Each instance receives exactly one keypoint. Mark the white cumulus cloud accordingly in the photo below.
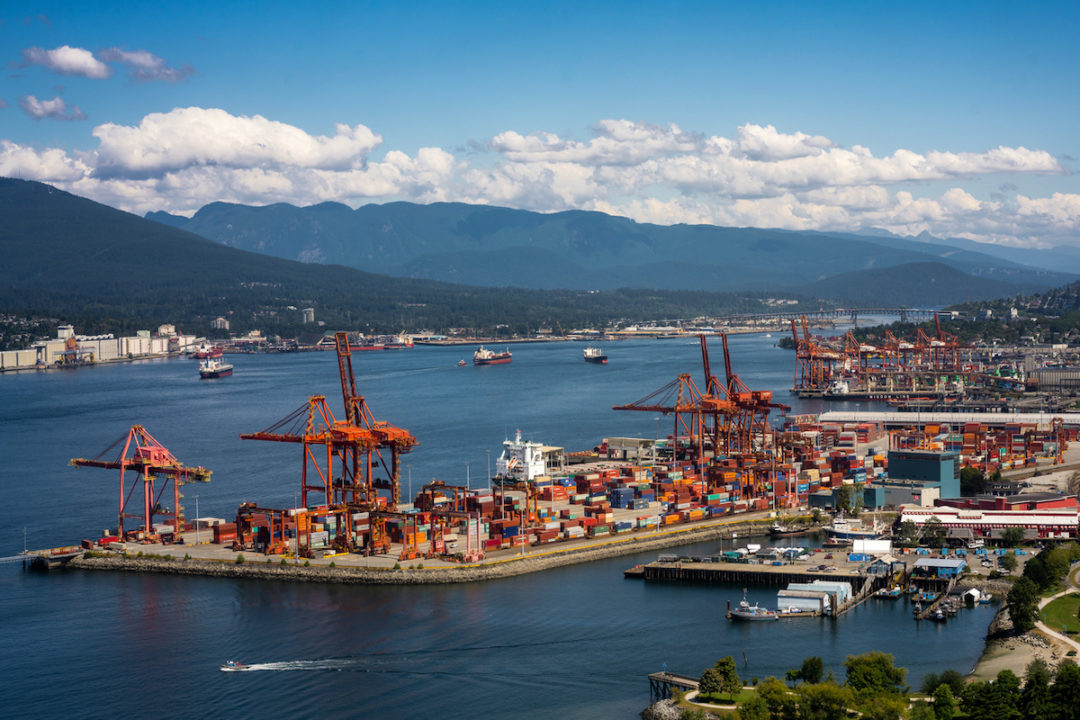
(67, 60)
(757, 176)
(144, 66)
(194, 136)
(55, 109)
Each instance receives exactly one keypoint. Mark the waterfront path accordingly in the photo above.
(1070, 580)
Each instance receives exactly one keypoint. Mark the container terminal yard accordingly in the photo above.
(928, 373)
(722, 466)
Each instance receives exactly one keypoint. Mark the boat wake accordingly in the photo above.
(381, 662)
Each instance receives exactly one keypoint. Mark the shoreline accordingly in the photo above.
(258, 569)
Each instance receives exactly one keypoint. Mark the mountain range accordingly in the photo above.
(106, 270)
(498, 247)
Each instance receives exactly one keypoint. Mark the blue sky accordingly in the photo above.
(959, 119)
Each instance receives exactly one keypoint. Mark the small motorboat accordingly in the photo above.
(233, 666)
(461, 363)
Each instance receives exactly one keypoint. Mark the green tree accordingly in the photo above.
(1035, 700)
(729, 676)
(826, 701)
(974, 701)
(1004, 700)
(812, 670)
(944, 703)
(972, 481)
(849, 499)
(774, 693)
(921, 711)
(955, 680)
(710, 683)
(1012, 536)
(884, 707)
(874, 673)
(909, 533)
(933, 532)
(1065, 692)
(1009, 561)
(754, 708)
(1023, 599)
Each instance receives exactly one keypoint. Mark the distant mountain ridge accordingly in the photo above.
(106, 270)
(497, 247)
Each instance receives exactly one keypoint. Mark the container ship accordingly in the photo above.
(214, 368)
(595, 355)
(483, 356)
(205, 351)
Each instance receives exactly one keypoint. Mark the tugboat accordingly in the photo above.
(779, 529)
(214, 368)
(595, 355)
(233, 666)
(751, 613)
(483, 356)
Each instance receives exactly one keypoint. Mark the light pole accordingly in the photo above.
(656, 437)
(296, 532)
(196, 519)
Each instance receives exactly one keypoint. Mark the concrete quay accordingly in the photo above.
(217, 561)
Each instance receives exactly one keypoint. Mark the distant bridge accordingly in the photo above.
(853, 313)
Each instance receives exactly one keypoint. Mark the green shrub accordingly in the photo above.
(283, 561)
(239, 559)
(420, 566)
(307, 563)
(333, 564)
(187, 556)
(397, 566)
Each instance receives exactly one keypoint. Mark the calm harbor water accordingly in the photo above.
(572, 642)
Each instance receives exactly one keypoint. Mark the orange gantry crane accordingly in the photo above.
(155, 469)
(750, 418)
(724, 419)
(682, 399)
(345, 455)
(814, 364)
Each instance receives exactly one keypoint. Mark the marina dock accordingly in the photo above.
(707, 572)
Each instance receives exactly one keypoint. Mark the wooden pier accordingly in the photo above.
(739, 573)
(660, 684)
(863, 586)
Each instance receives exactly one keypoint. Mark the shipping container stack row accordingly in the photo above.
(987, 447)
(573, 507)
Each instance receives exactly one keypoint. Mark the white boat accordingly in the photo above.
(847, 529)
(752, 613)
(233, 666)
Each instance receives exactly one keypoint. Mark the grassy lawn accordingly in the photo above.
(1062, 613)
(739, 697)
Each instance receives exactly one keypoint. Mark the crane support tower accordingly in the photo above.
(155, 468)
(341, 459)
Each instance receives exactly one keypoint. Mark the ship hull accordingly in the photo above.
(493, 361)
